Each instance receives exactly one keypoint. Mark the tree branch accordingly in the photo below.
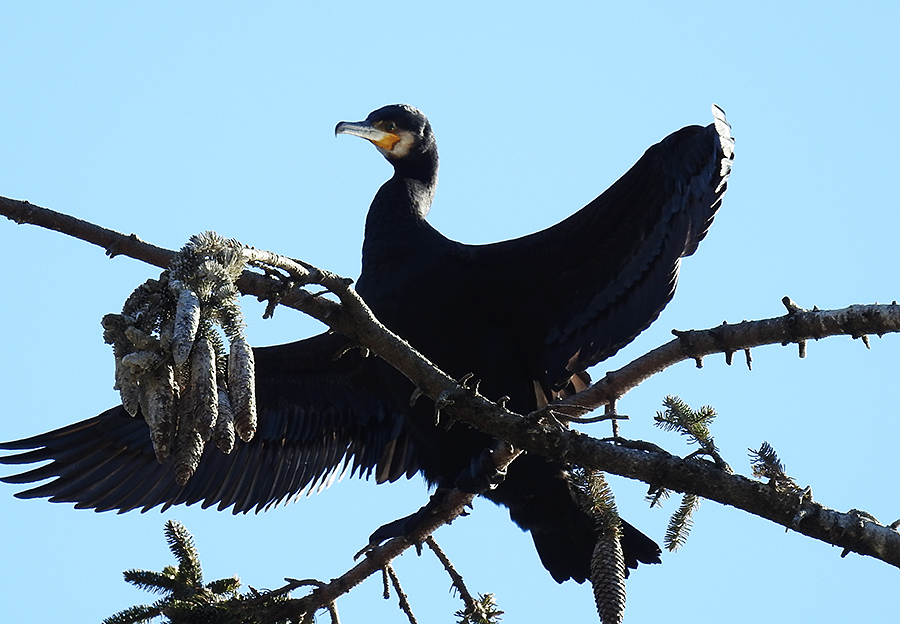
(115, 243)
(357, 320)
(451, 506)
(797, 326)
(853, 531)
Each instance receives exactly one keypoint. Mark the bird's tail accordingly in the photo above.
(541, 499)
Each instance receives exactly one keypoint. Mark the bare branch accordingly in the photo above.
(455, 577)
(797, 326)
(113, 242)
(401, 595)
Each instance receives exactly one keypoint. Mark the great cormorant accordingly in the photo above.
(525, 316)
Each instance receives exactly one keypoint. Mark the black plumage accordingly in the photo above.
(525, 316)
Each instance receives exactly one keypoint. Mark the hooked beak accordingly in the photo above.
(364, 129)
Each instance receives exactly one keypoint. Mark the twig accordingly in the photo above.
(401, 595)
(455, 577)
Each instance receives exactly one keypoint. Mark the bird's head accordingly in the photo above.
(399, 131)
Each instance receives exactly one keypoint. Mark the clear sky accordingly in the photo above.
(171, 118)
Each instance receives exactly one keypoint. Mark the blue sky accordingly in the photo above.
(172, 118)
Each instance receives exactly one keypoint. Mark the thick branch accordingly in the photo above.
(353, 318)
(852, 531)
(357, 320)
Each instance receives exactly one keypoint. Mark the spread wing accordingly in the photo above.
(318, 417)
(579, 291)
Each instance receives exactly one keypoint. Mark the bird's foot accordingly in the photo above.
(483, 474)
(403, 527)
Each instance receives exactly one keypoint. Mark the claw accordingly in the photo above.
(467, 382)
(483, 473)
(443, 401)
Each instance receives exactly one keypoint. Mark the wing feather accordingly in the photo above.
(317, 417)
(579, 291)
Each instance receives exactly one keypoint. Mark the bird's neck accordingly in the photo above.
(412, 186)
(403, 201)
(396, 229)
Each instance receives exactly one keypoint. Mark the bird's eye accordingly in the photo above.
(389, 126)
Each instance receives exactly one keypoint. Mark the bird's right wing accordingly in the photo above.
(588, 285)
(318, 417)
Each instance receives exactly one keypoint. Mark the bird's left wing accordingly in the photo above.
(318, 417)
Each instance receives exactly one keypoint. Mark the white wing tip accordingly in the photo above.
(723, 128)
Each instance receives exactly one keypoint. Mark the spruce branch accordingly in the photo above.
(486, 612)
(694, 424)
(185, 598)
(766, 465)
(181, 543)
(681, 522)
(138, 614)
(655, 496)
(154, 582)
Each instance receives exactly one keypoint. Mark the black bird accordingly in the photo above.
(525, 316)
